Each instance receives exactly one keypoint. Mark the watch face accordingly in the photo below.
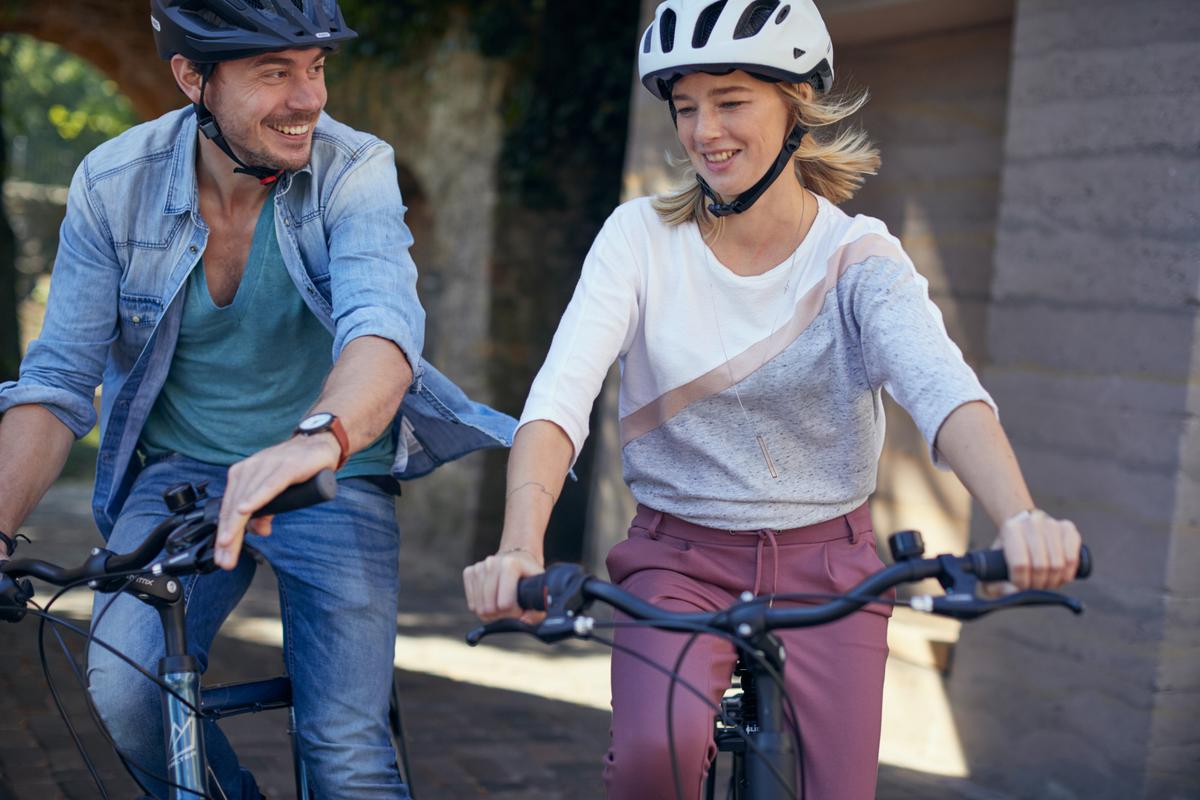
(316, 422)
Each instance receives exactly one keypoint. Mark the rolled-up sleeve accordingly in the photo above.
(65, 364)
(373, 277)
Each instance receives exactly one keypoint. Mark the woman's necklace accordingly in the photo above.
(772, 470)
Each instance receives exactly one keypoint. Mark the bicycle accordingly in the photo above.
(753, 726)
(180, 545)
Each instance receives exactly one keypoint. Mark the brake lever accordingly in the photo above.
(500, 626)
(189, 548)
(549, 630)
(968, 607)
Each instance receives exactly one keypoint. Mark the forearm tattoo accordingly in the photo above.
(540, 488)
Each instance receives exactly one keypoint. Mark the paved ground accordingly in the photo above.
(467, 739)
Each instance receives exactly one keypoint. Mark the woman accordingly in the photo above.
(756, 325)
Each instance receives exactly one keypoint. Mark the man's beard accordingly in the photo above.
(262, 158)
(238, 138)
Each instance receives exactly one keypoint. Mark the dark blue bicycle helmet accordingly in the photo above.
(210, 31)
(207, 32)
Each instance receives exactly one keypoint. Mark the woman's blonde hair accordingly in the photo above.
(832, 163)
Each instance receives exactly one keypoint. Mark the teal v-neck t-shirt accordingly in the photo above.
(244, 374)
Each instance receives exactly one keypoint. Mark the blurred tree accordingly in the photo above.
(54, 108)
(57, 108)
(10, 344)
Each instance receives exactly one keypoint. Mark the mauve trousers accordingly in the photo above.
(833, 673)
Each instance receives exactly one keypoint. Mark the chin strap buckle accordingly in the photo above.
(746, 199)
(265, 175)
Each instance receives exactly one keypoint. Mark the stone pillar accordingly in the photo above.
(1093, 358)
(441, 115)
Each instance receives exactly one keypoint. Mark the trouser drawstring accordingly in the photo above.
(766, 535)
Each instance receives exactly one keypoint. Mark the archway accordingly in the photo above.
(112, 35)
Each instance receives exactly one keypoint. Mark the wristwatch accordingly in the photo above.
(324, 421)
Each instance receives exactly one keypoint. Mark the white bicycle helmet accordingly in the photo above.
(775, 40)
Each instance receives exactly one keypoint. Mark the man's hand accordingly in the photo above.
(260, 479)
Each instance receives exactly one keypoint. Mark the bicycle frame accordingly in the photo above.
(761, 715)
(185, 540)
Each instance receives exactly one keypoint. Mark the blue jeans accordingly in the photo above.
(336, 565)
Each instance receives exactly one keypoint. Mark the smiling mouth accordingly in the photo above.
(291, 130)
(721, 156)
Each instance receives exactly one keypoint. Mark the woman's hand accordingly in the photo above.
(1042, 552)
(491, 584)
(537, 467)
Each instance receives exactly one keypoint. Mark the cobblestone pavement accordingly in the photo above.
(466, 740)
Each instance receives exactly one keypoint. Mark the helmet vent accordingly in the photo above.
(754, 18)
(257, 4)
(666, 31)
(299, 4)
(212, 18)
(783, 12)
(706, 22)
(649, 41)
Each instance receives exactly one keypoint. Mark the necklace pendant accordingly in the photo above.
(762, 445)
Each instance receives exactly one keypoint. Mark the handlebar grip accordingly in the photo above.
(531, 593)
(989, 565)
(14, 597)
(317, 489)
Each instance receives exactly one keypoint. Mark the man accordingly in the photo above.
(208, 301)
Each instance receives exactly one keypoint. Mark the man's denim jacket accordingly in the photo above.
(133, 233)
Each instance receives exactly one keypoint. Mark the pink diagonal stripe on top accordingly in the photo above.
(737, 369)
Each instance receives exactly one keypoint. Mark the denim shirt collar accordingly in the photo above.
(183, 194)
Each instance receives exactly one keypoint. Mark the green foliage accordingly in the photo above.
(401, 31)
(568, 113)
(56, 108)
(394, 31)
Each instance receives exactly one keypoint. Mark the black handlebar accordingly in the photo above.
(199, 518)
(986, 565)
(564, 590)
(317, 489)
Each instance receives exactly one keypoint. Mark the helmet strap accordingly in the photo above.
(743, 201)
(212, 131)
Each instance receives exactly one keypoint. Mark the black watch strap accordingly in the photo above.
(10, 542)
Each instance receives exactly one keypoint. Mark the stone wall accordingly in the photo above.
(937, 115)
(1092, 355)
